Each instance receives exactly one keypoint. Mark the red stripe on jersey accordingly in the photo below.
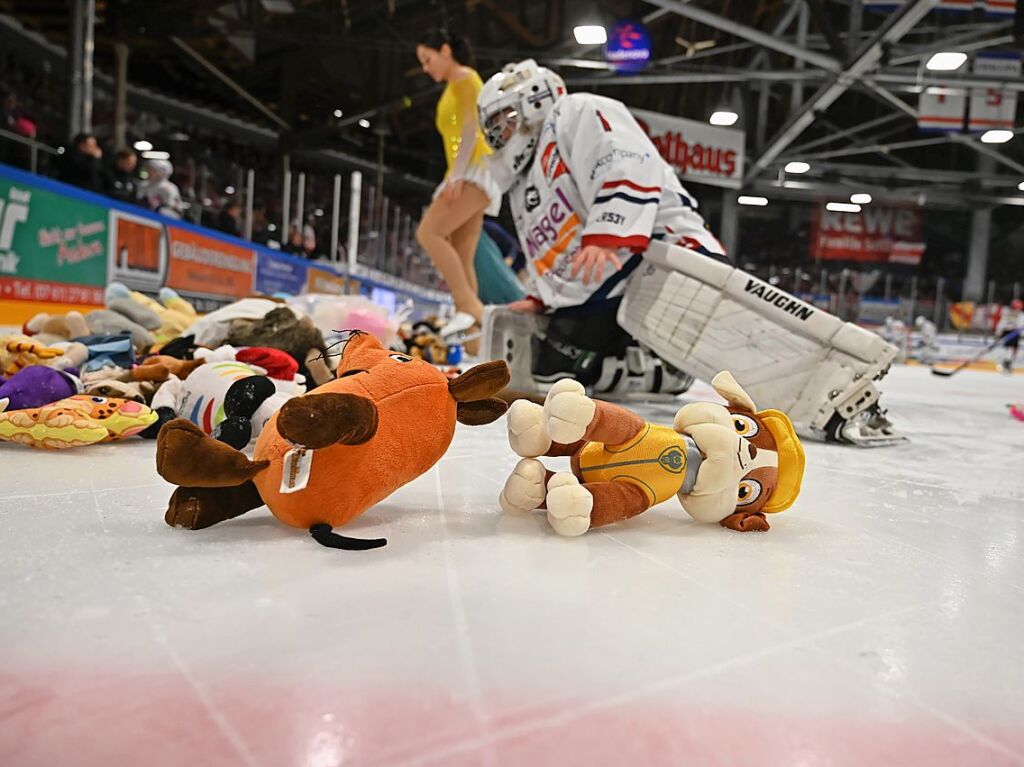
(604, 123)
(631, 185)
(636, 242)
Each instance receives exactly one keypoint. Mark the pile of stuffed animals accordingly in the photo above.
(333, 430)
(125, 370)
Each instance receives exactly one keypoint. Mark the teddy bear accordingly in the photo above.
(730, 464)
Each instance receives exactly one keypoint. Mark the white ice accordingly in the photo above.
(880, 621)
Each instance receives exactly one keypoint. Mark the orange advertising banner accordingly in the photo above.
(200, 264)
(321, 281)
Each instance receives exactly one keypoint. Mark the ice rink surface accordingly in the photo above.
(880, 621)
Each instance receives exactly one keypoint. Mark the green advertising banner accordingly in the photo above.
(52, 247)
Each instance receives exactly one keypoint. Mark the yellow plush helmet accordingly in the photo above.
(791, 460)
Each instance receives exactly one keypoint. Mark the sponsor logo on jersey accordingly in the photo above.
(551, 163)
(531, 199)
(617, 154)
(777, 298)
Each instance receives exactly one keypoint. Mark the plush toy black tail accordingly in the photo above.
(323, 535)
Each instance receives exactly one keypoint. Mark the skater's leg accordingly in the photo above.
(442, 219)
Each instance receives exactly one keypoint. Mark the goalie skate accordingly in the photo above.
(537, 359)
(703, 316)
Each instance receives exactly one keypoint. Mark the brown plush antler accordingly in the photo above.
(480, 382)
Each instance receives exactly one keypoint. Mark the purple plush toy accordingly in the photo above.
(37, 385)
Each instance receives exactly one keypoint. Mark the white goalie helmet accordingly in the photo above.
(513, 105)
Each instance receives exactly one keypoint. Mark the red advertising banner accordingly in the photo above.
(874, 235)
(200, 264)
(698, 151)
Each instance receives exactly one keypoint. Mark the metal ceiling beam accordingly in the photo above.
(872, 149)
(213, 70)
(748, 33)
(867, 57)
(933, 197)
(825, 25)
(672, 78)
(848, 133)
(988, 151)
(901, 79)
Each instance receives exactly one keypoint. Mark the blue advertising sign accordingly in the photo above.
(629, 46)
(280, 274)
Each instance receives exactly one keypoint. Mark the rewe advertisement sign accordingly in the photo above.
(698, 151)
(875, 235)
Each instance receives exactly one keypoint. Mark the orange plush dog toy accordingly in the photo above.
(730, 464)
(326, 457)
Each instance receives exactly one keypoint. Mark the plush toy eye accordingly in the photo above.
(748, 492)
(400, 357)
(745, 425)
(99, 400)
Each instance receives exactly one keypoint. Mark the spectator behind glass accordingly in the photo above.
(161, 194)
(229, 218)
(81, 164)
(308, 242)
(13, 120)
(123, 182)
(294, 243)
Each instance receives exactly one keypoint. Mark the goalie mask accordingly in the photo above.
(513, 105)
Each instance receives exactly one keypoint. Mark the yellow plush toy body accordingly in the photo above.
(730, 464)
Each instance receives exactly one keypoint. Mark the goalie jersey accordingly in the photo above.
(597, 179)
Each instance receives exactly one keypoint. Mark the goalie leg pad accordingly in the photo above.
(703, 316)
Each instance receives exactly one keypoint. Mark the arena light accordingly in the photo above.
(946, 61)
(745, 199)
(842, 207)
(996, 136)
(364, 123)
(156, 155)
(590, 34)
(142, 145)
(229, 190)
(797, 166)
(862, 198)
(1021, 186)
(724, 117)
(338, 113)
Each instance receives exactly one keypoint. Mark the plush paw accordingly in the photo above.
(746, 522)
(524, 489)
(526, 433)
(568, 411)
(569, 505)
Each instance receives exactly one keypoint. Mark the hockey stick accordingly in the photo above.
(999, 342)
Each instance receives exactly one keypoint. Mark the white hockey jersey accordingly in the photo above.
(597, 179)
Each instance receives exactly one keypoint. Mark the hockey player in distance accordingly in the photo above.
(610, 234)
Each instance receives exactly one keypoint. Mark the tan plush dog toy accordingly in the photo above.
(730, 464)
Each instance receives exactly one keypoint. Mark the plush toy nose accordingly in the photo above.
(131, 407)
(753, 450)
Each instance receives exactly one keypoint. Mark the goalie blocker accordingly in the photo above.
(702, 316)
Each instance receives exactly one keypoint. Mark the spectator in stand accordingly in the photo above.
(81, 163)
(160, 193)
(13, 120)
(308, 242)
(229, 220)
(293, 244)
(123, 181)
